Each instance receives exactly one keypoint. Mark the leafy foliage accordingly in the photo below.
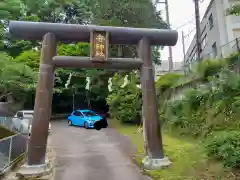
(9, 9)
(14, 78)
(125, 103)
(225, 146)
(209, 68)
(234, 10)
(209, 108)
(233, 60)
(30, 58)
(166, 81)
(63, 11)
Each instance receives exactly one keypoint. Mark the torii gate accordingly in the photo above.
(99, 37)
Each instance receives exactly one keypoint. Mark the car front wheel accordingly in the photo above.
(69, 123)
(86, 125)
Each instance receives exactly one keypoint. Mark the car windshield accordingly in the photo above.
(89, 113)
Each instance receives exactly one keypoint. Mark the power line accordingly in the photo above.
(190, 32)
(185, 24)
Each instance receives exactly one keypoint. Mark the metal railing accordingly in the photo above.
(6, 122)
(223, 51)
(12, 147)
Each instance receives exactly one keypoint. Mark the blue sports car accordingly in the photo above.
(84, 118)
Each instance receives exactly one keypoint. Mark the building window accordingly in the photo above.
(210, 20)
(204, 41)
(214, 50)
(203, 31)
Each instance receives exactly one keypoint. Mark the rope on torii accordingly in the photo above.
(110, 84)
(87, 87)
(69, 80)
(126, 82)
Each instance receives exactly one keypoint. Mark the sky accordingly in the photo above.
(181, 12)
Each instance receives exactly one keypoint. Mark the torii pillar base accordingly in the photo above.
(43, 171)
(156, 164)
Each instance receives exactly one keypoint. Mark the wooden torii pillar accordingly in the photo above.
(50, 34)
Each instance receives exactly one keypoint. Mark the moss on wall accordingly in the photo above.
(5, 132)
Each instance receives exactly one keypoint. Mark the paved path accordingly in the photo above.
(91, 155)
(3, 160)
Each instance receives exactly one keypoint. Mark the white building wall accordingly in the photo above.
(232, 21)
(222, 26)
(225, 29)
(212, 33)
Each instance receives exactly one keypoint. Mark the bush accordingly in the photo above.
(225, 146)
(233, 59)
(125, 103)
(5, 132)
(207, 68)
(213, 107)
(166, 81)
(188, 114)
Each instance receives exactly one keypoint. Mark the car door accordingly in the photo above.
(18, 120)
(78, 118)
(81, 119)
(72, 118)
(14, 121)
(25, 122)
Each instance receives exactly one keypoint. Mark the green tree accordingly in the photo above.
(15, 78)
(61, 11)
(30, 58)
(9, 9)
(125, 103)
(234, 10)
(137, 13)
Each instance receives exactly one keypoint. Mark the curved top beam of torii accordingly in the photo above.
(74, 32)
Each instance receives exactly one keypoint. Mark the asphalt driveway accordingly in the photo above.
(91, 155)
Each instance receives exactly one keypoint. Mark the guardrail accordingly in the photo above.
(6, 122)
(12, 147)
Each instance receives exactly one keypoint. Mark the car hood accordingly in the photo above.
(94, 118)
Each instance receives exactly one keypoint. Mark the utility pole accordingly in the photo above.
(184, 54)
(183, 45)
(198, 29)
(170, 58)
